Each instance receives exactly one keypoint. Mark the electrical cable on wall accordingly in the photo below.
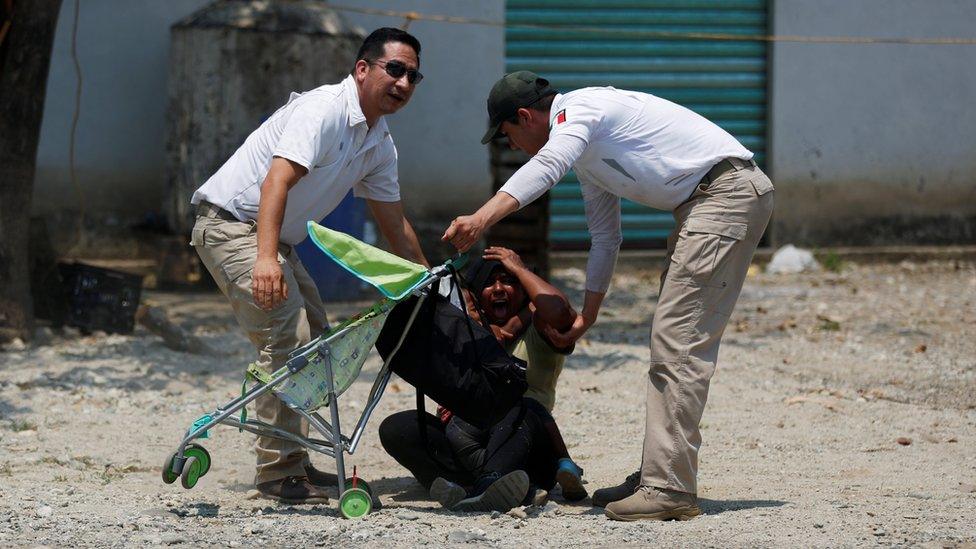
(72, 173)
(410, 16)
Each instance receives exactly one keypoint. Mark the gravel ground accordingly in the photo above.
(843, 413)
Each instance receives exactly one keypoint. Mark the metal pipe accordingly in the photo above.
(265, 430)
(336, 432)
(373, 402)
(237, 404)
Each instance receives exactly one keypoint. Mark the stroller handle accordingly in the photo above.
(458, 261)
(445, 269)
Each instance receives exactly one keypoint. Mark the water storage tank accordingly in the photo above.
(232, 64)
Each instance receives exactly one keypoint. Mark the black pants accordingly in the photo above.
(461, 452)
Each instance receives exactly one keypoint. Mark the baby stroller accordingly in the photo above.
(316, 374)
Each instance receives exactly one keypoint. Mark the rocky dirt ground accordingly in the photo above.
(843, 413)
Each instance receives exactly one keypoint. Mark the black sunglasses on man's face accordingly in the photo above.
(397, 69)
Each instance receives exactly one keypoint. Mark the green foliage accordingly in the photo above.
(829, 325)
(18, 425)
(832, 262)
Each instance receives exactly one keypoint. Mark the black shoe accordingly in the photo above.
(293, 491)
(605, 496)
(501, 493)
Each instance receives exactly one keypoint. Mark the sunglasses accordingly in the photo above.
(397, 69)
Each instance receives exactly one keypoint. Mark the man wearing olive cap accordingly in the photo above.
(651, 151)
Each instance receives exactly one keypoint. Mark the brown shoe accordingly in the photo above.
(293, 491)
(650, 503)
(320, 478)
(330, 481)
(603, 496)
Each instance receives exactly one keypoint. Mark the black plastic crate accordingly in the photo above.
(100, 299)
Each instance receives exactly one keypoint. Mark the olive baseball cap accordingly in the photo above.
(511, 93)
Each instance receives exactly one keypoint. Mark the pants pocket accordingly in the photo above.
(761, 184)
(711, 248)
(239, 263)
(235, 246)
(708, 243)
(197, 237)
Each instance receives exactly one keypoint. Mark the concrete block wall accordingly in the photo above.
(873, 143)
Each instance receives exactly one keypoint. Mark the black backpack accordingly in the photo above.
(454, 360)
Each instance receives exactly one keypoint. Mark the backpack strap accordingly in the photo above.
(422, 422)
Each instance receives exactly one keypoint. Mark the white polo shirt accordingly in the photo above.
(325, 131)
(622, 144)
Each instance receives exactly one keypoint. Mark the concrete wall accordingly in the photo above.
(874, 143)
(123, 50)
(870, 143)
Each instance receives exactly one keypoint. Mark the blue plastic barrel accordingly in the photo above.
(334, 282)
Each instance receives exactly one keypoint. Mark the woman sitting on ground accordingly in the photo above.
(522, 456)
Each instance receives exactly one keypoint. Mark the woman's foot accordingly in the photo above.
(570, 479)
(536, 496)
(494, 492)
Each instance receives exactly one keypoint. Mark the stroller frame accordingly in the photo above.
(333, 443)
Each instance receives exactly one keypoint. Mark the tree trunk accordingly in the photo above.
(27, 33)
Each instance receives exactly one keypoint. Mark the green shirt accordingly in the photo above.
(543, 365)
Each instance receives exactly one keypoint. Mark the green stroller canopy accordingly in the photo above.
(394, 276)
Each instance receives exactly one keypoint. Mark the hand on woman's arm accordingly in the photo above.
(581, 322)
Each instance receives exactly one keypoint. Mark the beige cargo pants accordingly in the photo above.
(229, 248)
(717, 231)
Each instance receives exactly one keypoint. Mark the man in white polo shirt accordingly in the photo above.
(298, 165)
(653, 152)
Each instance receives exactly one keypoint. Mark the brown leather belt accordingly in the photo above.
(207, 209)
(724, 167)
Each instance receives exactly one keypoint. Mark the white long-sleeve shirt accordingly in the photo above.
(622, 144)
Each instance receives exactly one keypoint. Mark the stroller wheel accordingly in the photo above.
(355, 503)
(191, 472)
(169, 477)
(202, 455)
(360, 483)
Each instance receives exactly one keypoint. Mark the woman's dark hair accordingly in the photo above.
(479, 272)
(373, 47)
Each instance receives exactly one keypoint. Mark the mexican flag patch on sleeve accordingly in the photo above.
(560, 117)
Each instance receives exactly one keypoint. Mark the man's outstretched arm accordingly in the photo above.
(466, 230)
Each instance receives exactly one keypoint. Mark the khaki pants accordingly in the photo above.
(717, 231)
(228, 248)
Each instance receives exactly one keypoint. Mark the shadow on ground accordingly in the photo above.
(8, 410)
(399, 488)
(608, 361)
(718, 506)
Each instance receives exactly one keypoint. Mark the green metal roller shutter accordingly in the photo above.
(723, 80)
